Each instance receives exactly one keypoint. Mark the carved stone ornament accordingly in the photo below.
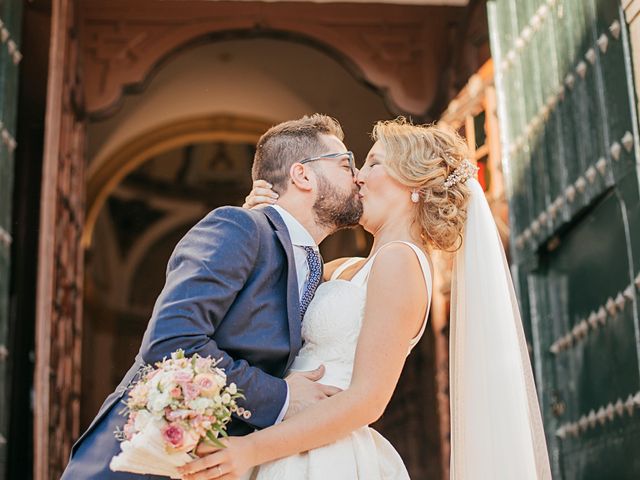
(398, 49)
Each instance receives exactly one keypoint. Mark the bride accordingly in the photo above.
(418, 192)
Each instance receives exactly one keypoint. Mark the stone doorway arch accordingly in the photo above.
(102, 180)
(101, 50)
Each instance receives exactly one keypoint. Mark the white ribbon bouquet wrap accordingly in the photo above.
(171, 409)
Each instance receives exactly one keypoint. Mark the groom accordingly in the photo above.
(239, 283)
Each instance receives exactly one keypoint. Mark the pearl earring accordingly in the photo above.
(415, 197)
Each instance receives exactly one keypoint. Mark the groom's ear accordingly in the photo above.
(301, 177)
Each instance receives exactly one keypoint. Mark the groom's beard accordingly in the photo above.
(336, 209)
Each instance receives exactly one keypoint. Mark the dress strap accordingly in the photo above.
(346, 264)
(428, 280)
(363, 275)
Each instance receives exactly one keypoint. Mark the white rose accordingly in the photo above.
(161, 381)
(200, 404)
(226, 398)
(233, 389)
(221, 378)
(158, 401)
(153, 383)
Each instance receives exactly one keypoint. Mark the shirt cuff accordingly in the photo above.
(285, 407)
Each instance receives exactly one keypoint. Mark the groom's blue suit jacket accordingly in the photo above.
(231, 292)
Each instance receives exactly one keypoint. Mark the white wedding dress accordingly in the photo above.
(330, 332)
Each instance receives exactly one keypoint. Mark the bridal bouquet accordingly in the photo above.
(171, 409)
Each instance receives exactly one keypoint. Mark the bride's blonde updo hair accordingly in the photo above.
(422, 157)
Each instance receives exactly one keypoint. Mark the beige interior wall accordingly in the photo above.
(270, 79)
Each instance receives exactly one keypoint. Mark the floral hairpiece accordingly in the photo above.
(465, 171)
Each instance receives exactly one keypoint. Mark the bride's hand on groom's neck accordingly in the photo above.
(304, 390)
(261, 195)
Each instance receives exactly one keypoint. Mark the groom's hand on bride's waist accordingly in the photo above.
(305, 391)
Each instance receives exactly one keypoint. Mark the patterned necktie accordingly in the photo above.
(315, 273)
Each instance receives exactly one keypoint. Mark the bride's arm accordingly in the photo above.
(395, 308)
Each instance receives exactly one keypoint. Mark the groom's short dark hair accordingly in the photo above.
(289, 142)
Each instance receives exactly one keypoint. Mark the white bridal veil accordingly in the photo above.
(496, 430)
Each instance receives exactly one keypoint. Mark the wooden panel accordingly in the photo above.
(59, 309)
(600, 365)
(10, 15)
(570, 147)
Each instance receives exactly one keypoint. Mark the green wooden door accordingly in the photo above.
(569, 136)
(10, 19)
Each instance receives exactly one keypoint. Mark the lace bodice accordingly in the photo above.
(332, 323)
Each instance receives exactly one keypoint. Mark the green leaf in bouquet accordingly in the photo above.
(178, 354)
(212, 438)
(220, 429)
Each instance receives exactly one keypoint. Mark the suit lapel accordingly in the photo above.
(293, 299)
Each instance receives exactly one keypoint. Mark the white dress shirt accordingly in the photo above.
(300, 238)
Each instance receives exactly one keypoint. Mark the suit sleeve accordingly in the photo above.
(207, 269)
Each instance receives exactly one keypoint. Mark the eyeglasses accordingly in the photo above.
(352, 164)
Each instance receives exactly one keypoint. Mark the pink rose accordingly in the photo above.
(179, 438)
(173, 434)
(191, 391)
(207, 384)
(182, 376)
(175, 392)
